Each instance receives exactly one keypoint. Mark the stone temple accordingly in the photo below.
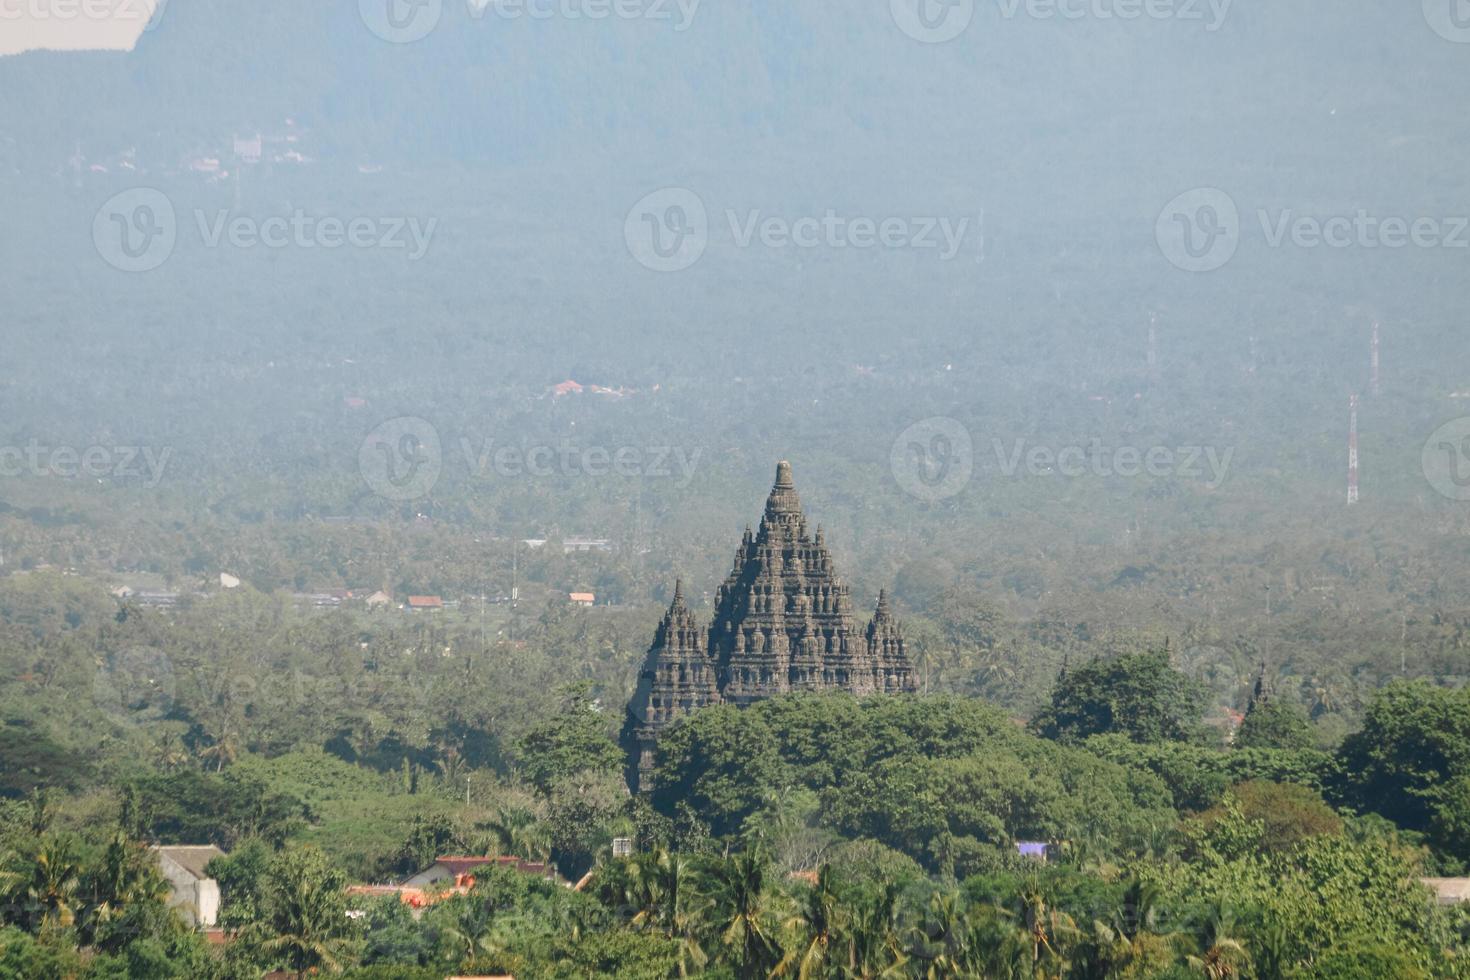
(783, 622)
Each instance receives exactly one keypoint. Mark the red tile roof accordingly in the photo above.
(459, 865)
(425, 602)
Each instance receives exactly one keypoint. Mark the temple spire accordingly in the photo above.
(783, 506)
(1262, 692)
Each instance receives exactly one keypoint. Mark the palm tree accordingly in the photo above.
(874, 951)
(1140, 911)
(517, 831)
(813, 926)
(944, 939)
(169, 752)
(1221, 954)
(305, 923)
(52, 885)
(127, 879)
(1046, 928)
(737, 885)
(473, 925)
(661, 888)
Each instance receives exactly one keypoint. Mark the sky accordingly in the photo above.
(71, 24)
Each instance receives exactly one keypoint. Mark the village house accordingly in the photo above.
(425, 603)
(192, 892)
(573, 546)
(1448, 891)
(584, 599)
(460, 868)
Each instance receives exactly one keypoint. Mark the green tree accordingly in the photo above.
(1138, 695)
(741, 914)
(1413, 746)
(576, 740)
(1275, 724)
(1287, 814)
(303, 922)
(813, 928)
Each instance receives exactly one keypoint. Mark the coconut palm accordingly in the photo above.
(518, 831)
(661, 888)
(737, 886)
(52, 884)
(944, 938)
(127, 879)
(1221, 954)
(305, 924)
(1048, 931)
(472, 927)
(813, 926)
(874, 950)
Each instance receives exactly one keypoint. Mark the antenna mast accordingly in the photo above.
(1352, 496)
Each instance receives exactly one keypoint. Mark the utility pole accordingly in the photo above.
(1153, 347)
(515, 584)
(1374, 386)
(1352, 493)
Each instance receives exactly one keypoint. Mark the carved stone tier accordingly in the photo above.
(783, 621)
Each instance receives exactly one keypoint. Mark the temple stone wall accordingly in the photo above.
(783, 622)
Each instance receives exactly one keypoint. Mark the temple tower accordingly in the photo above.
(783, 622)
(677, 677)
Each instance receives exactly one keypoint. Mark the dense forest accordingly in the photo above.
(1183, 711)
